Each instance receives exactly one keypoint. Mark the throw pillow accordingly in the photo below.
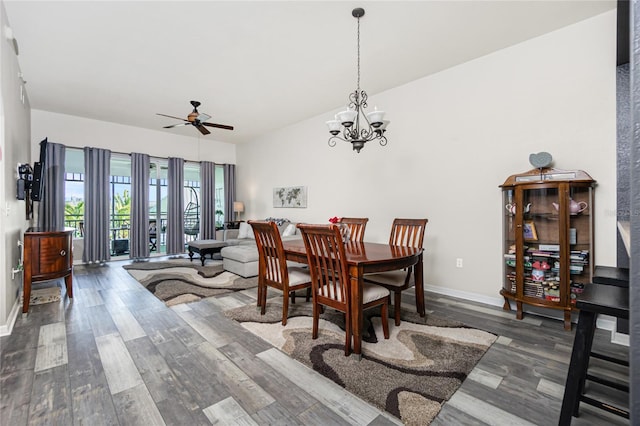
(245, 231)
(290, 230)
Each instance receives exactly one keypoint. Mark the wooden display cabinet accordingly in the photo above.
(47, 256)
(547, 239)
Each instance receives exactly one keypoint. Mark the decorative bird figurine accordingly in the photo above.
(540, 160)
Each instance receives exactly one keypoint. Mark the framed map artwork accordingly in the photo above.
(290, 196)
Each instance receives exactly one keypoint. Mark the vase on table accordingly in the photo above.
(345, 232)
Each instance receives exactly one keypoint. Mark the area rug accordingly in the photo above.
(410, 375)
(41, 296)
(178, 281)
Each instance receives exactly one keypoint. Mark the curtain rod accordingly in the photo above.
(150, 156)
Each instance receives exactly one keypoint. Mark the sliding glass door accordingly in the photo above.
(120, 208)
(192, 201)
(158, 206)
(120, 196)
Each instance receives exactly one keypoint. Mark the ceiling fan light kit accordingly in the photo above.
(353, 125)
(197, 120)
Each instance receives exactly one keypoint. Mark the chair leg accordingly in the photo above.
(263, 302)
(385, 319)
(293, 297)
(308, 293)
(396, 306)
(316, 317)
(285, 306)
(347, 326)
(259, 300)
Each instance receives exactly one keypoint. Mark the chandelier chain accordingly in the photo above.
(358, 55)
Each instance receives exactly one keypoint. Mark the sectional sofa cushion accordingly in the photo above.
(245, 231)
(289, 230)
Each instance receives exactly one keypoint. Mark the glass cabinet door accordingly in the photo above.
(509, 242)
(580, 239)
(541, 243)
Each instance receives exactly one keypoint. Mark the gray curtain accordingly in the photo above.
(208, 200)
(175, 214)
(229, 190)
(51, 208)
(96, 205)
(139, 235)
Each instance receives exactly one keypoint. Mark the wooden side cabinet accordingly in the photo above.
(47, 256)
(548, 219)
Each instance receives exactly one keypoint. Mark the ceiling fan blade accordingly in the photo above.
(203, 117)
(171, 116)
(176, 125)
(202, 129)
(219, 126)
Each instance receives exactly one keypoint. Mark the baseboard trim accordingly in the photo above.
(604, 322)
(473, 297)
(618, 337)
(7, 328)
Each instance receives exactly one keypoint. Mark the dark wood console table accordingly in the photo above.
(47, 256)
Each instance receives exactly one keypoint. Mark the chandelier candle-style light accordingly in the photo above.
(356, 126)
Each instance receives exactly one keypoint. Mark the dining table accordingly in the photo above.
(364, 258)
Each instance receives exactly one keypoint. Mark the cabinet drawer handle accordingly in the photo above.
(63, 253)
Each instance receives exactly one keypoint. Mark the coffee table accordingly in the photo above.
(205, 247)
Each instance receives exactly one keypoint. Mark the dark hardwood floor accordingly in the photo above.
(116, 355)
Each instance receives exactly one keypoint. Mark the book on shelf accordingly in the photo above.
(554, 255)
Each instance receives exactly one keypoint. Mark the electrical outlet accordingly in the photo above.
(459, 262)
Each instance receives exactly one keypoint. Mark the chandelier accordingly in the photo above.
(353, 125)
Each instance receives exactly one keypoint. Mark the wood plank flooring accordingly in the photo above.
(116, 355)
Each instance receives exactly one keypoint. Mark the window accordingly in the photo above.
(120, 203)
(192, 207)
(120, 196)
(74, 191)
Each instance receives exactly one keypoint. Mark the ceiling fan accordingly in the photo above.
(196, 119)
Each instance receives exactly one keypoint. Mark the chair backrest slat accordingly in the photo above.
(327, 262)
(357, 226)
(408, 232)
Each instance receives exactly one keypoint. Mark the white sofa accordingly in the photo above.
(240, 256)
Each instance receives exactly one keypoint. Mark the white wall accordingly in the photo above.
(454, 138)
(79, 132)
(14, 148)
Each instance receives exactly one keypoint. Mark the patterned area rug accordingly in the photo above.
(178, 281)
(410, 375)
(40, 296)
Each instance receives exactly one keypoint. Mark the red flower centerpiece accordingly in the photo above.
(334, 219)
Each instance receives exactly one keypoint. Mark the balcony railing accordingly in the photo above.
(120, 229)
(77, 223)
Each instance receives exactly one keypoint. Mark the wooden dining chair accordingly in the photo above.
(273, 270)
(404, 233)
(330, 279)
(356, 226)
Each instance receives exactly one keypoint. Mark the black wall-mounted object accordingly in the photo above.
(29, 183)
(23, 185)
(20, 189)
(38, 172)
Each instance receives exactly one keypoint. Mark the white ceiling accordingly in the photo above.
(257, 65)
